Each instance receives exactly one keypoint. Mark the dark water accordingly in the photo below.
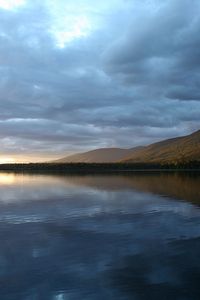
(100, 237)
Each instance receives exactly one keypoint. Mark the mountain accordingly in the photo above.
(176, 150)
(103, 155)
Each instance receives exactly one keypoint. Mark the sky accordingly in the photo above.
(76, 75)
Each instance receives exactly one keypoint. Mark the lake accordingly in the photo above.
(134, 236)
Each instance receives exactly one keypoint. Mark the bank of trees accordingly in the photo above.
(96, 167)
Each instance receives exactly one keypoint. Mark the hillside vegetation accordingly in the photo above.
(177, 150)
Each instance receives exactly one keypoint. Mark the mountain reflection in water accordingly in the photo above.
(100, 237)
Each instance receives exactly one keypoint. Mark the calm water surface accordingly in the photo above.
(100, 237)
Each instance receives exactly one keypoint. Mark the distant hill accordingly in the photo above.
(176, 150)
(103, 155)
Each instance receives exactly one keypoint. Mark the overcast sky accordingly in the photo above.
(82, 74)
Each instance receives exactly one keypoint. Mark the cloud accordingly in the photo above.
(132, 78)
(160, 51)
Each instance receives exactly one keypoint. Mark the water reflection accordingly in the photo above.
(94, 237)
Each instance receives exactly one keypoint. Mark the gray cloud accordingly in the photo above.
(160, 51)
(133, 79)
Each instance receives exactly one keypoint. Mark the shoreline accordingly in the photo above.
(96, 168)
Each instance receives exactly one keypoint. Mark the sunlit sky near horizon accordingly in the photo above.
(77, 75)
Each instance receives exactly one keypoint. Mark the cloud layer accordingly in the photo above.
(80, 76)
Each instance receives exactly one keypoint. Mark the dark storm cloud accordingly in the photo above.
(126, 82)
(160, 50)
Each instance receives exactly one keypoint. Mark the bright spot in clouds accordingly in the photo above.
(7, 160)
(71, 29)
(9, 4)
